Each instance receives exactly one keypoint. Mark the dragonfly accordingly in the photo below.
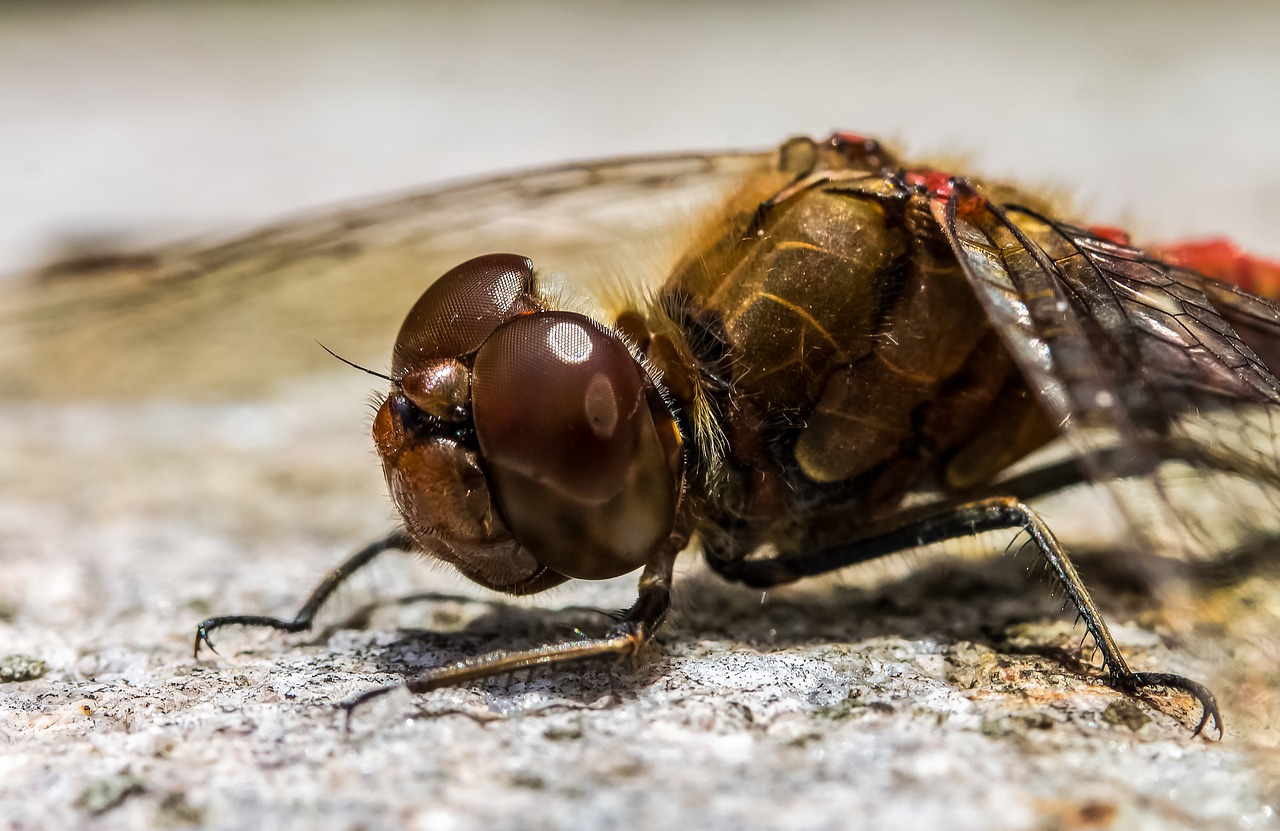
(832, 356)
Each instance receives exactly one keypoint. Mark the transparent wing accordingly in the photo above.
(236, 317)
(1140, 367)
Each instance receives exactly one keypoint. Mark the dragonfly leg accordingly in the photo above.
(302, 621)
(934, 524)
(626, 637)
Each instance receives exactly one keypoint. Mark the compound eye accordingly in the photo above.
(568, 427)
(454, 316)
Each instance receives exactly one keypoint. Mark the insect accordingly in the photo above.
(845, 363)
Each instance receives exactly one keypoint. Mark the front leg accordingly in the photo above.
(303, 620)
(636, 626)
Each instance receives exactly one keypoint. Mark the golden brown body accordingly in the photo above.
(847, 361)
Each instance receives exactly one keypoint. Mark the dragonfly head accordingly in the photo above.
(524, 445)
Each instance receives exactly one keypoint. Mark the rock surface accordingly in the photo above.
(925, 696)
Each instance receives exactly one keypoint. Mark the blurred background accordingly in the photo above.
(129, 124)
(123, 522)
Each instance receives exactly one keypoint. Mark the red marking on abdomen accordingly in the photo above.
(1110, 233)
(844, 137)
(940, 185)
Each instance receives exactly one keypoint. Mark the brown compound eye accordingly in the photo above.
(581, 453)
(454, 316)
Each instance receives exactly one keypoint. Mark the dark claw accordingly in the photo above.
(1198, 691)
(349, 706)
(202, 636)
(203, 630)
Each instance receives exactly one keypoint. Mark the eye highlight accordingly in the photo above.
(600, 406)
(569, 342)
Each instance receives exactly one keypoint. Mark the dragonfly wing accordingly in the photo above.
(1256, 319)
(1139, 364)
(235, 318)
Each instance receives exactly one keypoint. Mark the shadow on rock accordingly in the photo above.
(989, 602)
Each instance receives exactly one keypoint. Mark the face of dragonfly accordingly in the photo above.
(523, 444)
